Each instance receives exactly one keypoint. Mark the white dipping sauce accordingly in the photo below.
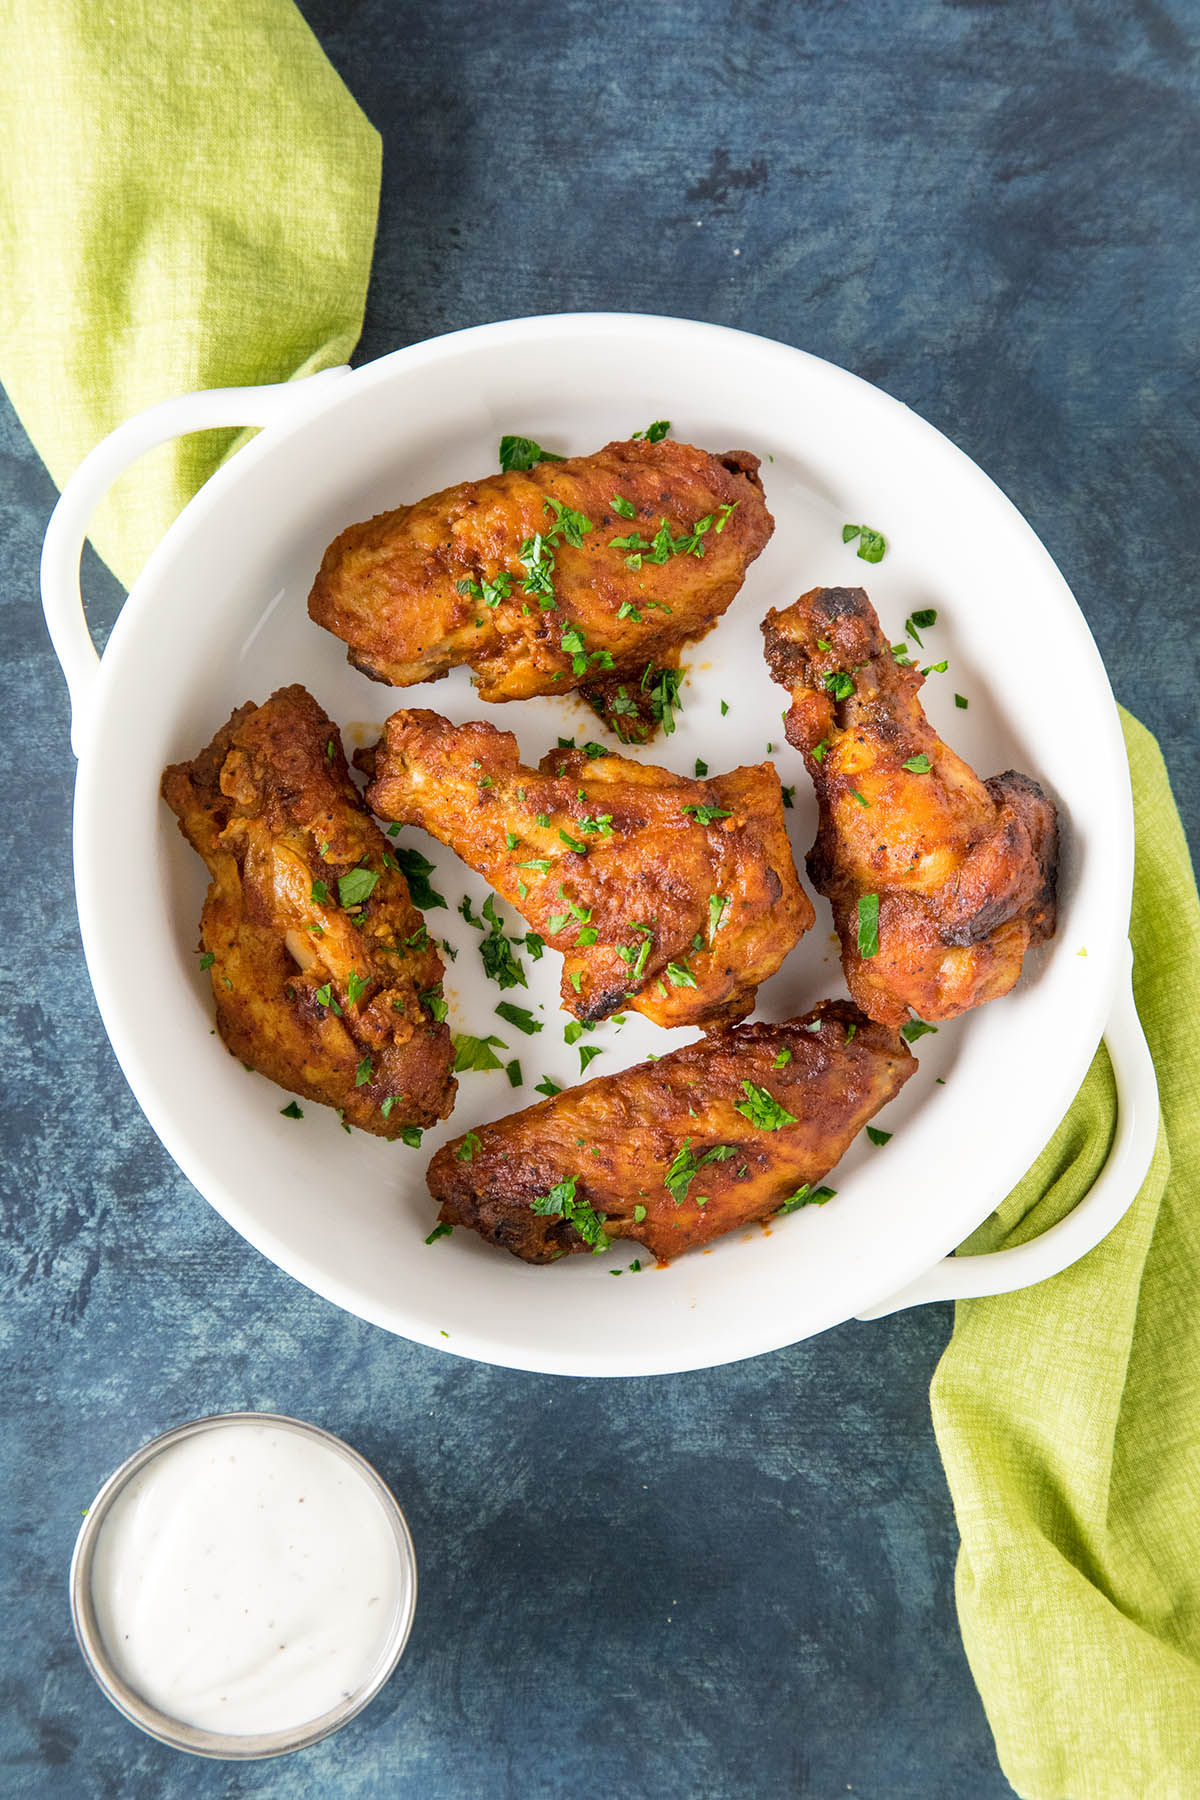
(247, 1579)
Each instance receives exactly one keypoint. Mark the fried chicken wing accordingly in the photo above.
(954, 877)
(733, 1128)
(322, 969)
(672, 897)
(588, 573)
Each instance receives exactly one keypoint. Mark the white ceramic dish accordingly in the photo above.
(218, 616)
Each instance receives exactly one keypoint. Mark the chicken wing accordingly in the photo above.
(939, 882)
(733, 1128)
(671, 897)
(588, 573)
(323, 973)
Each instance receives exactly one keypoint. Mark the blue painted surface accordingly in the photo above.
(734, 1583)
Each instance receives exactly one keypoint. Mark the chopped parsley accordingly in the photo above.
(655, 433)
(522, 453)
(718, 906)
(513, 1071)
(781, 1061)
(490, 592)
(871, 544)
(868, 925)
(925, 618)
(625, 509)
(935, 668)
(291, 1111)
(806, 1196)
(561, 1202)
(439, 1231)
(568, 523)
(548, 1086)
(789, 795)
(207, 960)
(684, 1170)
(861, 798)
(915, 1028)
(467, 1149)
(680, 976)
(724, 707)
(434, 1003)
(839, 684)
(475, 1052)
(573, 843)
(324, 997)
(416, 870)
(878, 1137)
(960, 702)
(357, 886)
(535, 945)
(363, 1073)
(587, 1052)
(819, 751)
(918, 765)
(320, 893)
(520, 1016)
(704, 815)
(762, 1109)
(500, 960)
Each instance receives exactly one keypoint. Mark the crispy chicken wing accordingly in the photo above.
(672, 897)
(953, 876)
(733, 1128)
(589, 573)
(322, 969)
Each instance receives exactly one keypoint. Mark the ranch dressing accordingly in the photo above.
(247, 1579)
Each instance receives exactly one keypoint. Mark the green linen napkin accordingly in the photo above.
(1068, 1415)
(188, 197)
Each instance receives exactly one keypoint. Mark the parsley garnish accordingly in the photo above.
(500, 961)
(724, 707)
(868, 925)
(718, 905)
(680, 976)
(520, 1016)
(861, 798)
(918, 765)
(781, 1061)
(819, 751)
(685, 1168)
(363, 1073)
(416, 870)
(291, 1111)
(475, 1052)
(356, 987)
(925, 618)
(789, 795)
(878, 1137)
(762, 1109)
(320, 893)
(655, 433)
(522, 453)
(324, 997)
(804, 1196)
(704, 815)
(624, 508)
(935, 668)
(548, 1087)
(207, 960)
(434, 1003)
(535, 945)
(357, 886)
(573, 843)
(513, 1071)
(490, 592)
(839, 684)
(467, 1149)
(586, 1053)
(439, 1231)
(561, 1202)
(915, 1028)
(568, 523)
(871, 544)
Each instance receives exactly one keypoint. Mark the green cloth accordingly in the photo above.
(188, 197)
(1068, 1415)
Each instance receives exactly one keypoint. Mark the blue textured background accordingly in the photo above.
(736, 1583)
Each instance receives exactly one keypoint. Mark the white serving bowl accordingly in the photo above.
(218, 617)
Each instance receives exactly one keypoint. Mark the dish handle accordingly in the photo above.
(1106, 1202)
(62, 548)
